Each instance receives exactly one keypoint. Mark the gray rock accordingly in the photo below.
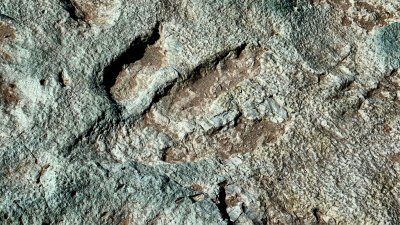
(199, 112)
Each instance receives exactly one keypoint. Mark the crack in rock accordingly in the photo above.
(222, 206)
(132, 54)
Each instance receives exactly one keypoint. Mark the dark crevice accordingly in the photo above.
(316, 215)
(38, 179)
(240, 49)
(73, 193)
(164, 154)
(120, 187)
(222, 204)
(104, 170)
(238, 118)
(70, 8)
(43, 82)
(179, 200)
(134, 53)
(61, 79)
(5, 17)
(16, 202)
(394, 72)
(346, 84)
(159, 95)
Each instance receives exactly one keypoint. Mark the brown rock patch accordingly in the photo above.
(175, 155)
(22, 169)
(198, 188)
(387, 88)
(365, 15)
(341, 4)
(240, 139)
(149, 121)
(232, 200)
(138, 74)
(153, 56)
(4, 56)
(210, 83)
(6, 32)
(378, 16)
(96, 12)
(8, 93)
(346, 21)
(126, 221)
(197, 198)
(249, 133)
(396, 158)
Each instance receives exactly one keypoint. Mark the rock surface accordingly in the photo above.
(199, 112)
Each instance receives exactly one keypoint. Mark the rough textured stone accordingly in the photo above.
(199, 112)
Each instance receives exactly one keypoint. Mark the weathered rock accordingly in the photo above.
(199, 112)
(97, 12)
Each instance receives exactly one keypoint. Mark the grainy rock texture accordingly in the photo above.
(199, 112)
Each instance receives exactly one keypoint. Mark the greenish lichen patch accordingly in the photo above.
(277, 7)
(287, 8)
(388, 42)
